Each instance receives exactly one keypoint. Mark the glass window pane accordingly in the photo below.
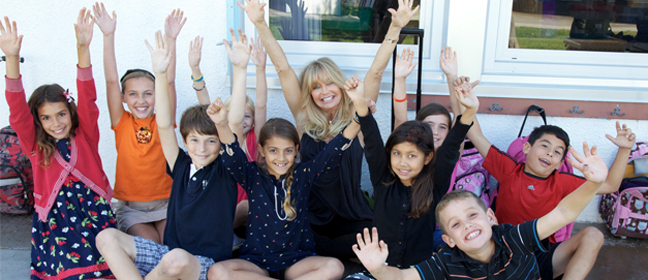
(586, 25)
(334, 20)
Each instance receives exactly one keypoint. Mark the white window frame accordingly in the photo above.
(611, 76)
(356, 58)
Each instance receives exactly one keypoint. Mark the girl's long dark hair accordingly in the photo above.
(277, 127)
(419, 134)
(49, 94)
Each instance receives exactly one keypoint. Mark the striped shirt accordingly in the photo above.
(513, 257)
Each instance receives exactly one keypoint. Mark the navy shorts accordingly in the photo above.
(545, 263)
(149, 254)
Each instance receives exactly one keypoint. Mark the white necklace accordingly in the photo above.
(277, 209)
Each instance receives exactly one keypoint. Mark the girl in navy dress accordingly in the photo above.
(71, 191)
(279, 240)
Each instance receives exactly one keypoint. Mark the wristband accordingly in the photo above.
(197, 80)
(199, 89)
(356, 119)
(400, 100)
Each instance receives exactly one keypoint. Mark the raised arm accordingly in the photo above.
(475, 133)
(448, 63)
(373, 253)
(239, 55)
(83, 30)
(218, 114)
(625, 139)
(595, 171)
(399, 20)
(199, 84)
(10, 44)
(107, 25)
(404, 66)
(160, 59)
(287, 77)
(172, 26)
(258, 57)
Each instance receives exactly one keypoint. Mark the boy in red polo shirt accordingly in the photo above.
(531, 190)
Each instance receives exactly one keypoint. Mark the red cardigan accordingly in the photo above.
(87, 167)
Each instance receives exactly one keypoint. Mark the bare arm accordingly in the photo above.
(595, 171)
(239, 55)
(287, 77)
(107, 25)
(448, 63)
(83, 30)
(199, 84)
(400, 18)
(475, 133)
(10, 44)
(404, 66)
(625, 139)
(258, 57)
(172, 26)
(161, 58)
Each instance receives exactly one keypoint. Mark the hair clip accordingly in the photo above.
(68, 96)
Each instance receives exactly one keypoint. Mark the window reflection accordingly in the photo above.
(333, 20)
(588, 25)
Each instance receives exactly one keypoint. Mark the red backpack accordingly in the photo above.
(16, 177)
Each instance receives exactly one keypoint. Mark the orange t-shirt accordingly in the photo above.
(141, 166)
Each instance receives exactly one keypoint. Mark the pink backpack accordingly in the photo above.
(515, 150)
(469, 175)
(626, 211)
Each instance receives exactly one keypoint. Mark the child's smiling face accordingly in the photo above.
(279, 154)
(407, 161)
(139, 96)
(202, 149)
(55, 119)
(468, 227)
(544, 156)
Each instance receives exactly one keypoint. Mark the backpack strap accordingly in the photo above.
(533, 108)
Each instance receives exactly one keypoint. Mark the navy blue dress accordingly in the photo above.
(273, 243)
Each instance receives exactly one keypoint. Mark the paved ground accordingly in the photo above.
(618, 259)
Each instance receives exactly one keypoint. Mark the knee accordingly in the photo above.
(218, 271)
(592, 237)
(177, 261)
(106, 239)
(333, 268)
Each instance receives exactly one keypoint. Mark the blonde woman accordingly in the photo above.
(321, 108)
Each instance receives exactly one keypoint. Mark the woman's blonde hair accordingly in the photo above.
(316, 122)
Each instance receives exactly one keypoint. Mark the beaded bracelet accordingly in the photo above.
(199, 89)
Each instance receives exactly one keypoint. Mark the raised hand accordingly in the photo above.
(402, 16)
(254, 10)
(354, 88)
(370, 251)
(239, 51)
(448, 63)
(463, 79)
(195, 51)
(83, 27)
(173, 23)
(10, 42)
(404, 64)
(217, 112)
(625, 139)
(258, 55)
(106, 24)
(160, 56)
(591, 164)
(466, 96)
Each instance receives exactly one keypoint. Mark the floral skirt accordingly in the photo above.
(63, 247)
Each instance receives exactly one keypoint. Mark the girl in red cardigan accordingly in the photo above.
(71, 191)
